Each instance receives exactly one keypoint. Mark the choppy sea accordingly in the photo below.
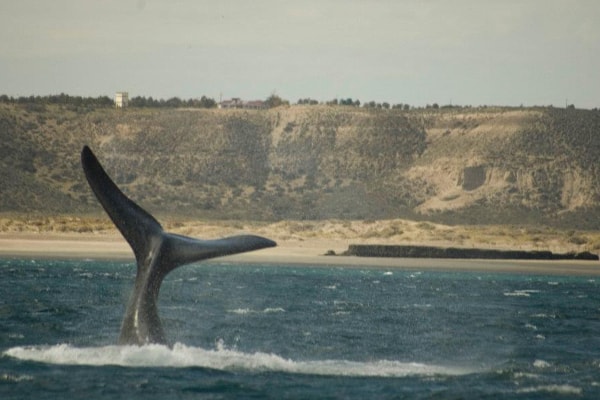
(299, 332)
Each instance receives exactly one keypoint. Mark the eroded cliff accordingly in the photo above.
(312, 162)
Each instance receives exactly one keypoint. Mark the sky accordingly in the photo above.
(417, 52)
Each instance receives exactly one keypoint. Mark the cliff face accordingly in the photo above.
(312, 162)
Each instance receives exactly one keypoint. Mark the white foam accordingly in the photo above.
(268, 310)
(427, 305)
(541, 364)
(543, 315)
(181, 356)
(526, 375)
(240, 311)
(558, 389)
(15, 378)
(341, 313)
(16, 336)
(521, 293)
(516, 294)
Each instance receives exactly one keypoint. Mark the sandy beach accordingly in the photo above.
(288, 253)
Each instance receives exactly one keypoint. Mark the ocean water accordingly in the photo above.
(299, 332)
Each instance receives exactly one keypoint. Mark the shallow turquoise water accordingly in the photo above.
(258, 331)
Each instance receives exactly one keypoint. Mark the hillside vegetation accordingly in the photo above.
(474, 166)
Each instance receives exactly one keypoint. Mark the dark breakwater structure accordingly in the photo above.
(367, 250)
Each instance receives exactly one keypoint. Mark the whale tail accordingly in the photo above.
(157, 252)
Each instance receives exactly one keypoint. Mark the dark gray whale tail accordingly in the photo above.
(157, 252)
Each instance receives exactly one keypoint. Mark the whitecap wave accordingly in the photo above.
(182, 356)
(541, 364)
(522, 293)
(552, 389)
(268, 310)
(544, 315)
(15, 378)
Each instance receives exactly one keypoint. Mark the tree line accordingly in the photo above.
(173, 102)
(371, 104)
(105, 101)
(203, 102)
(65, 99)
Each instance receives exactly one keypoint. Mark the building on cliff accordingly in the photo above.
(236, 102)
(121, 99)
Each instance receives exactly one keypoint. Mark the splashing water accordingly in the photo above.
(221, 358)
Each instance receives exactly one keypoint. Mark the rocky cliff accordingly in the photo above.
(312, 162)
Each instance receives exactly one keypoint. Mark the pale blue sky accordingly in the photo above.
(469, 52)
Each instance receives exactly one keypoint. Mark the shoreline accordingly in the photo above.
(306, 252)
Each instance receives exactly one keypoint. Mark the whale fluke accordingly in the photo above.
(156, 252)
